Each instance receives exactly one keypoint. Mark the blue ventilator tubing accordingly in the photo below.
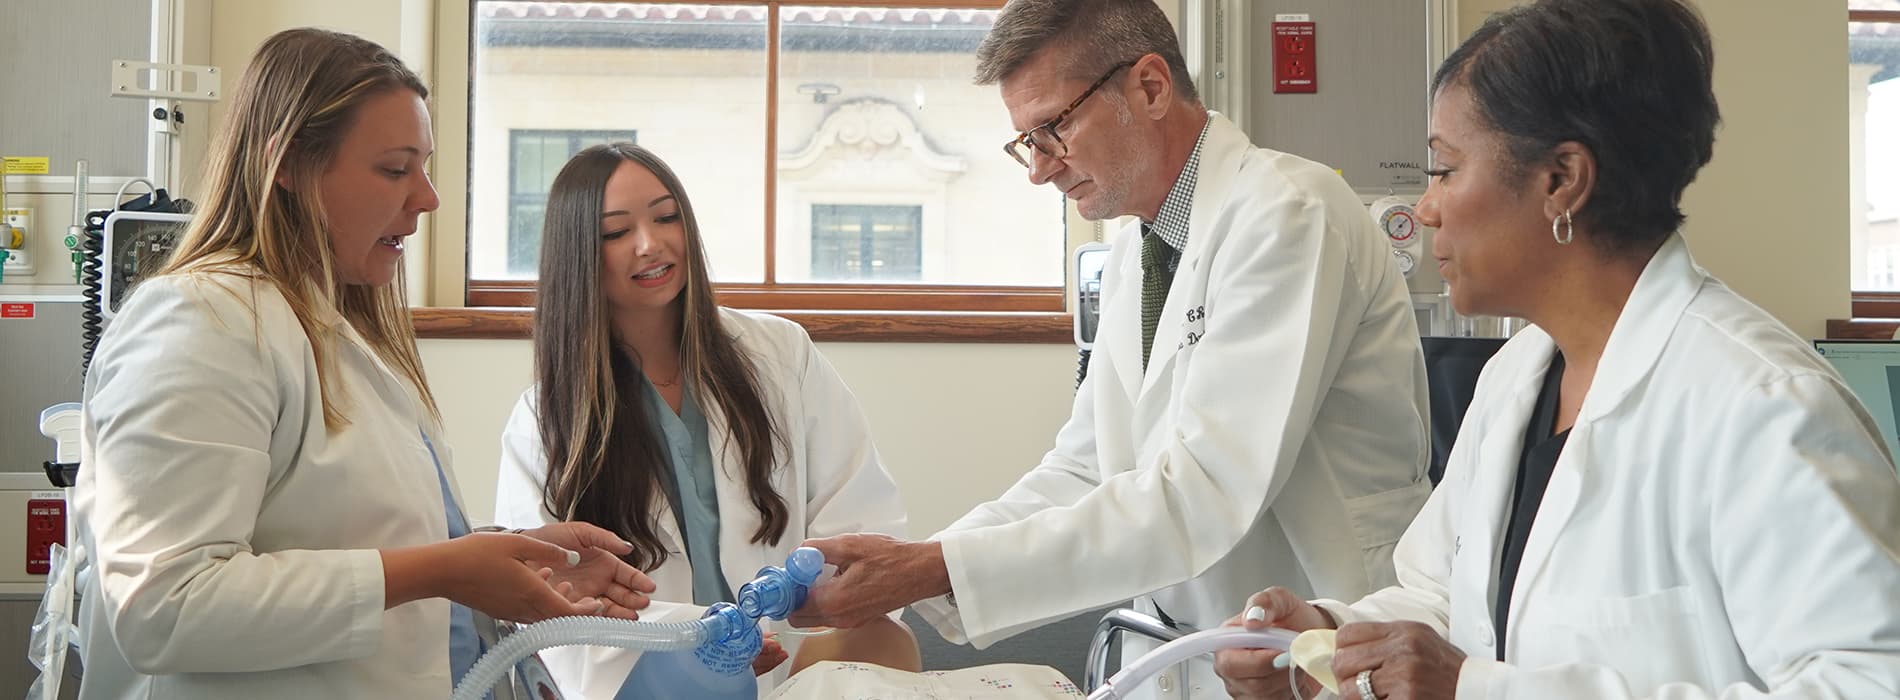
(720, 668)
(723, 642)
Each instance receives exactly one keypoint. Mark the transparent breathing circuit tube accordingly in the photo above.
(1205, 642)
(774, 594)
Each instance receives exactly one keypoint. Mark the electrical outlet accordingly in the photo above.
(20, 261)
(1294, 55)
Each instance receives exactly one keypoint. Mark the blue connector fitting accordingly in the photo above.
(776, 592)
(732, 640)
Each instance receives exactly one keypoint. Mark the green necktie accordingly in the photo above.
(1155, 280)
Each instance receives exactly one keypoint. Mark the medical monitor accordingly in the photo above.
(1871, 369)
(137, 243)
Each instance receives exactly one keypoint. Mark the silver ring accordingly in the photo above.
(1365, 686)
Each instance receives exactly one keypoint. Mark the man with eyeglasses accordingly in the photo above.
(1255, 408)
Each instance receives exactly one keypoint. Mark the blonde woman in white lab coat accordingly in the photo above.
(1659, 490)
(712, 439)
(263, 488)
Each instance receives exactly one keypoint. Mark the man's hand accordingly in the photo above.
(876, 574)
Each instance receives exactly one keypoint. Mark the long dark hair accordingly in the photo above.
(605, 452)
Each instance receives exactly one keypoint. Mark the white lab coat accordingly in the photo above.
(1723, 521)
(1286, 372)
(233, 537)
(829, 474)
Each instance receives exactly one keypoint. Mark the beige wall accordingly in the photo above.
(238, 26)
(955, 423)
(1769, 214)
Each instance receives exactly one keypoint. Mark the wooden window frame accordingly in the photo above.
(1875, 313)
(831, 311)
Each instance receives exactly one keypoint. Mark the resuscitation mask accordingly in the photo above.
(1312, 652)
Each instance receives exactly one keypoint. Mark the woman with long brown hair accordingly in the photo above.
(265, 509)
(714, 440)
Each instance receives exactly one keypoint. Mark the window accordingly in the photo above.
(838, 155)
(535, 156)
(1881, 269)
(1873, 81)
(852, 242)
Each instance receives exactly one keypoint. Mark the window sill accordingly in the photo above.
(824, 326)
(1862, 328)
(828, 298)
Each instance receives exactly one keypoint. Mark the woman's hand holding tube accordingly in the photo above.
(1253, 674)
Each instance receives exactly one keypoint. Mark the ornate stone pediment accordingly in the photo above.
(873, 135)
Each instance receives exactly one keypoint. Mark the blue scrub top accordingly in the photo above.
(464, 645)
(691, 490)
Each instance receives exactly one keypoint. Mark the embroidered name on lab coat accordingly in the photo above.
(1195, 327)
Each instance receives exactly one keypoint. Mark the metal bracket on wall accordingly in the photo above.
(1227, 44)
(126, 81)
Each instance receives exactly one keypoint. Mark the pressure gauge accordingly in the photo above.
(1400, 226)
(136, 244)
(1406, 263)
(1397, 219)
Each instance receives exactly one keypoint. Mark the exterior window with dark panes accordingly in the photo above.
(855, 242)
(535, 156)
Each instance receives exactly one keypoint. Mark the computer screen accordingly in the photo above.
(1872, 370)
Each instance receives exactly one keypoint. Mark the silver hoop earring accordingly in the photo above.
(1569, 231)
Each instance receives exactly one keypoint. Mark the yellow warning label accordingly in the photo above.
(18, 165)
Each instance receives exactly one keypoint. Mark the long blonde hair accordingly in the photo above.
(295, 102)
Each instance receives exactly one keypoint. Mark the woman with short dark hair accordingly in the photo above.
(1659, 490)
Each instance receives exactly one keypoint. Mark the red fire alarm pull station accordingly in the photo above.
(1295, 64)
